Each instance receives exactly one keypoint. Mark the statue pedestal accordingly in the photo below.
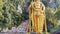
(33, 33)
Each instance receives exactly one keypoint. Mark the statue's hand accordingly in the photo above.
(42, 12)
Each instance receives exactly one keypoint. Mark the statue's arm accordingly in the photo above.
(45, 24)
(30, 10)
(43, 9)
(30, 16)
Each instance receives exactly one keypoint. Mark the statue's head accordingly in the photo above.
(36, 0)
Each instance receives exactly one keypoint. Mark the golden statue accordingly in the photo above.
(1, 4)
(37, 16)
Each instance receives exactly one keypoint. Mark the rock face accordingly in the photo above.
(58, 2)
(51, 4)
(23, 26)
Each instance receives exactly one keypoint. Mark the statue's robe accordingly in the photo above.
(37, 16)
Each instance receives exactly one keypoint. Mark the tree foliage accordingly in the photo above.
(9, 16)
(52, 21)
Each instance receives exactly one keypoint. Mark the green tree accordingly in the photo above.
(52, 21)
(58, 13)
(9, 16)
